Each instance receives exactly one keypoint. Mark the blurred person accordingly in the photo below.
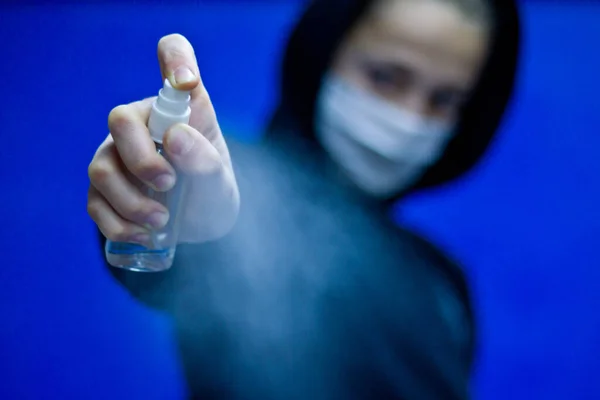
(291, 281)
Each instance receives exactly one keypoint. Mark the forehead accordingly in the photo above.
(434, 36)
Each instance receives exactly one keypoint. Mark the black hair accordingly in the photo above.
(313, 44)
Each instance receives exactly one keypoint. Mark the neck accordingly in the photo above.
(308, 154)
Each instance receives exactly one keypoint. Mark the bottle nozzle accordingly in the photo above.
(171, 106)
(170, 93)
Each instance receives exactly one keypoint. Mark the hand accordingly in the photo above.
(127, 159)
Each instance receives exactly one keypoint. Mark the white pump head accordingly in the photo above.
(172, 106)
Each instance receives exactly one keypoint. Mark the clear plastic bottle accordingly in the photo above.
(171, 106)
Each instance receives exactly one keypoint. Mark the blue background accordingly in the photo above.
(526, 223)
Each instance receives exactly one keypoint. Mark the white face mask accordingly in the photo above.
(383, 148)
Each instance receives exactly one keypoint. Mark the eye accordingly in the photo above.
(446, 101)
(381, 76)
(389, 81)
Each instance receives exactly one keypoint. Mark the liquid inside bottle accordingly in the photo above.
(158, 255)
(170, 107)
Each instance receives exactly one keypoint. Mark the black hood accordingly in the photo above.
(314, 41)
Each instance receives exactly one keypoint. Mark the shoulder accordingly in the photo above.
(436, 257)
(450, 294)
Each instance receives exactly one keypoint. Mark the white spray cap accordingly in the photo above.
(172, 106)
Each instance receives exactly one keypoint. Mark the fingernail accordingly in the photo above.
(140, 238)
(183, 75)
(180, 141)
(158, 220)
(164, 182)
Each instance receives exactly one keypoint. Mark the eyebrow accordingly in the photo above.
(370, 60)
(395, 66)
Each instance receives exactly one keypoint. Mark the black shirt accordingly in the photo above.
(315, 294)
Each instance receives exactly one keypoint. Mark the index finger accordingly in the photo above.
(178, 64)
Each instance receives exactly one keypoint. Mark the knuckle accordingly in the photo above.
(93, 210)
(136, 210)
(203, 110)
(116, 234)
(143, 106)
(99, 172)
(211, 165)
(203, 101)
(118, 118)
(145, 167)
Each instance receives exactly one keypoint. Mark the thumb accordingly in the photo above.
(190, 152)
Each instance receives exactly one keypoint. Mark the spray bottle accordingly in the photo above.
(170, 107)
